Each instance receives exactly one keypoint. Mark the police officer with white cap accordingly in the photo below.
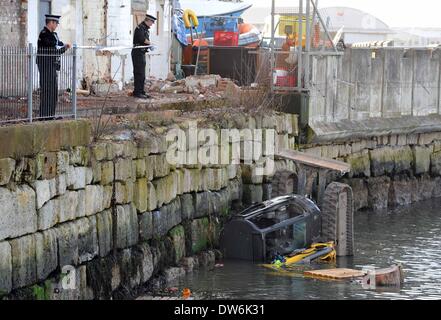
(141, 37)
(49, 62)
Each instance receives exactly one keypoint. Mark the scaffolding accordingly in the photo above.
(297, 34)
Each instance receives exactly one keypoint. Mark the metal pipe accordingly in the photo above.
(74, 81)
(273, 32)
(30, 80)
(308, 43)
(300, 46)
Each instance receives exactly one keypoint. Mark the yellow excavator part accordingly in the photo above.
(329, 257)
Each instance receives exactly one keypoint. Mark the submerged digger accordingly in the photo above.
(291, 229)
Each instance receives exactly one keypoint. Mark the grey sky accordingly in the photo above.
(395, 13)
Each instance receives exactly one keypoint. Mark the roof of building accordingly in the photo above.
(353, 20)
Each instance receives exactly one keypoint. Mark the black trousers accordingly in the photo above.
(139, 63)
(48, 91)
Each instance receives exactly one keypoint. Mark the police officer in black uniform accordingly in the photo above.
(49, 63)
(141, 37)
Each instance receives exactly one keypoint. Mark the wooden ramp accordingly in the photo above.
(314, 161)
(335, 274)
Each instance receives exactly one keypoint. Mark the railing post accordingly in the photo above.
(74, 80)
(30, 79)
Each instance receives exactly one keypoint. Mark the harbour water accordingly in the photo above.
(409, 235)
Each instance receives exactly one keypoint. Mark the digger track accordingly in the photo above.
(330, 211)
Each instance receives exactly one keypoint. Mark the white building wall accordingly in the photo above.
(160, 35)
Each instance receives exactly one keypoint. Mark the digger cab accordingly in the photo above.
(277, 226)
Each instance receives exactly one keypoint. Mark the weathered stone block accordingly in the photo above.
(378, 192)
(162, 167)
(145, 226)
(104, 232)
(177, 235)
(5, 268)
(165, 190)
(421, 159)
(400, 193)
(77, 178)
(235, 189)
(202, 204)
(18, 214)
(140, 168)
(99, 151)
(382, 161)
(166, 218)
(146, 262)
(250, 174)
(435, 164)
(187, 206)
(107, 173)
(267, 191)
(94, 199)
(200, 231)
(96, 171)
(360, 192)
(127, 226)
(49, 215)
(68, 206)
(67, 235)
(46, 248)
(252, 193)
(150, 163)
(360, 164)
(124, 192)
(43, 191)
(123, 170)
(87, 239)
(79, 156)
(24, 269)
(140, 195)
(107, 196)
(423, 188)
(7, 167)
(403, 157)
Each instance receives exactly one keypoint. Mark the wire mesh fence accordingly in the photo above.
(37, 84)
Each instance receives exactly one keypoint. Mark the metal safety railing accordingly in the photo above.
(37, 84)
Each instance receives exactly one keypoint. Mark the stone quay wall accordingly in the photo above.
(389, 171)
(98, 220)
(83, 219)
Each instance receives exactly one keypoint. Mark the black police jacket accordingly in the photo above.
(142, 33)
(49, 49)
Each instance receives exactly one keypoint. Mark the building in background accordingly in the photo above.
(358, 26)
(93, 23)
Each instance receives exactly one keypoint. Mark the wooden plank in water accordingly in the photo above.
(335, 274)
(314, 161)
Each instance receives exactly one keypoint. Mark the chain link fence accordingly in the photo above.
(37, 84)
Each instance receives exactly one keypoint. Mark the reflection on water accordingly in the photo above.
(410, 235)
